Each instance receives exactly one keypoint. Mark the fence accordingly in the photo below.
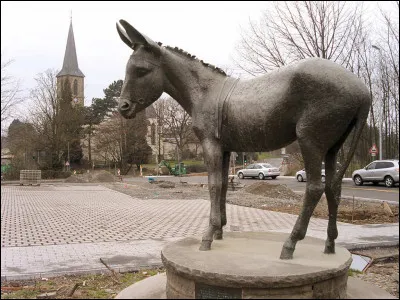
(30, 177)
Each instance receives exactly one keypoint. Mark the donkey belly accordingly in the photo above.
(257, 132)
(261, 115)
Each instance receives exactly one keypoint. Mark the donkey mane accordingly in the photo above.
(193, 57)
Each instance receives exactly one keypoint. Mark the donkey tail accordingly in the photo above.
(358, 123)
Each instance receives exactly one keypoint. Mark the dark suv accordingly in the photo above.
(386, 171)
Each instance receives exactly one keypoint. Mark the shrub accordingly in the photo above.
(53, 174)
(196, 169)
(11, 174)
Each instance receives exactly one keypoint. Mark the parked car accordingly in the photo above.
(301, 175)
(260, 170)
(386, 171)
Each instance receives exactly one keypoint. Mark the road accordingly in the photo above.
(349, 189)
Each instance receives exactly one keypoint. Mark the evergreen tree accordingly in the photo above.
(71, 124)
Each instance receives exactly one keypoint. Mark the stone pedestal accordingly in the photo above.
(247, 265)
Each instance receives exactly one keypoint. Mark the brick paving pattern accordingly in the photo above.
(61, 229)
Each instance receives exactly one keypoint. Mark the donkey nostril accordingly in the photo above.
(124, 106)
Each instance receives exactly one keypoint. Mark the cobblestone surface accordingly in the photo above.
(55, 229)
(38, 216)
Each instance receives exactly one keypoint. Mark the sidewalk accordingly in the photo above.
(43, 181)
(53, 230)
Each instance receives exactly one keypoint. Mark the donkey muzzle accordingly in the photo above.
(126, 108)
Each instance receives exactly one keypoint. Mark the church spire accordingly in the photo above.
(70, 65)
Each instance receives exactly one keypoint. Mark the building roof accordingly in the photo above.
(150, 112)
(70, 65)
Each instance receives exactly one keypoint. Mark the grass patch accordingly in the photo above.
(91, 286)
(353, 272)
(22, 294)
(193, 162)
(175, 162)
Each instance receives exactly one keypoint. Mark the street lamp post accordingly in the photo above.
(157, 151)
(380, 121)
(380, 140)
(68, 157)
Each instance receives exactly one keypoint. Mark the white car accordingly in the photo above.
(260, 170)
(301, 175)
(386, 171)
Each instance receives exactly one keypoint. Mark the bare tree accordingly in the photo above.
(177, 124)
(299, 29)
(46, 116)
(388, 81)
(334, 30)
(122, 141)
(22, 142)
(10, 92)
(107, 142)
(160, 111)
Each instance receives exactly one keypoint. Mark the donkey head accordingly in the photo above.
(144, 76)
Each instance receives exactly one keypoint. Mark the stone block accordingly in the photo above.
(179, 287)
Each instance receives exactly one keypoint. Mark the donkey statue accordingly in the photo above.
(314, 101)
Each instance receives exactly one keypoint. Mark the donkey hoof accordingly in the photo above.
(205, 245)
(287, 253)
(329, 248)
(218, 235)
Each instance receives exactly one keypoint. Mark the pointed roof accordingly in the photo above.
(150, 112)
(70, 65)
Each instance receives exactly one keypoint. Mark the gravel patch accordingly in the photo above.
(383, 274)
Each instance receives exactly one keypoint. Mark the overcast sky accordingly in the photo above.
(34, 34)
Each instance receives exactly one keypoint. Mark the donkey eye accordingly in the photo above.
(141, 72)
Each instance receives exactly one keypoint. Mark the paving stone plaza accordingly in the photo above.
(49, 230)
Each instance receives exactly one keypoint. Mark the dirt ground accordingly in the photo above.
(359, 212)
(91, 286)
(98, 176)
(384, 270)
(266, 196)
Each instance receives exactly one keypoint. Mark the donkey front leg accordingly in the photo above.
(214, 160)
(225, 173)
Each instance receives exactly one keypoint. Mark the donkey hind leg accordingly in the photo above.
(333, 189)
(225, 172)
(312, 160)
(213, 156)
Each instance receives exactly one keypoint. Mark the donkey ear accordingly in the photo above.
(134, 37)
(124, 38)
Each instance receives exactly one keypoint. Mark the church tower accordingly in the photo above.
(71, 70)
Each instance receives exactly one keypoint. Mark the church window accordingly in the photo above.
(75, 87)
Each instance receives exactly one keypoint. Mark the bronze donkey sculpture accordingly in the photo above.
(315, 101)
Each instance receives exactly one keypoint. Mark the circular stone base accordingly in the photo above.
(247, 265)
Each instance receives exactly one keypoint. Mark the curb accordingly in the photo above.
(100, 270)
(17, 182)
(374, 245)
(370, 199)
(359, 199)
